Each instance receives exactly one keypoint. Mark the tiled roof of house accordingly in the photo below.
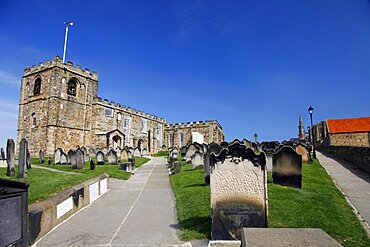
(349, 125)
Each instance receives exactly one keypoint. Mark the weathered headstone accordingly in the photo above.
(269, 161)
(192, 148)
(303, 151)
(197, 160)
(92, 165)
(112, 157)
(57, 154)
(287, 168)
(28, 159)
(177, 167)
(41, 157)
(91, 152)
(212, 148)
(118, 151)
(100, 158)
(84, 150)
(69, 155)
(10, 148)
(22, 165)
(77, 159)
(145, 153)
(183, 152)
(63, 159)
(137, 152)
(238, 191)
(124, 155)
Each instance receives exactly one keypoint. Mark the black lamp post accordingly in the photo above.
(310, 111)
(255, 137)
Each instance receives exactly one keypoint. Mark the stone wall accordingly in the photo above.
(358, 156)
(360, 139)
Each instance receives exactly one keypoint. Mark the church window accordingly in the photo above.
(72, 88)
(37, 87)
(108, 112)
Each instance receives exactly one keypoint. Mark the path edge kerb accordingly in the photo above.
(363, 222)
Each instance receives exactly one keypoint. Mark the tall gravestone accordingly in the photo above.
(238, 191)
(287, 168)
(77, 159)
(212, 148)
(100, 158)
(57, 154)
(183, 152)
(41, 157)
(112, 157)
(10, 153)
(197, 160)
(69, 156)
(63, 159)
(22, 166)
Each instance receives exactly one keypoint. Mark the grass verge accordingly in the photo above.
(318, 205)
(160, 154)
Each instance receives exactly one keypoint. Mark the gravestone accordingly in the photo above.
(137, 152)
(77, 159)
(92, 165)
(163, 147)
(123, 166)
(118, 151)
(10, 148)
(212, 148)
(57, 154)
(197, 160)
(49, 161)
(13, 213)
(91, 152)
(63, 159)
(224, 144)
(86, 157)
(173, 157)
(105, 150)
(41, 157)
(132, 161)
(192, 148)
(177, 167)
(69, 156)
(124, 155)
(145, 153)
(84, 150)
(28, 159)
(22, 163)
(112, 157)
(238, 191)
(183, 152)
(287, 168)
(269, 160)
(100, 158)
(2, 154)
(303, 151)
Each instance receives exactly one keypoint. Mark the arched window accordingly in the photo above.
(37, 87)
(33, 117)
(72, 87)
(27, 91)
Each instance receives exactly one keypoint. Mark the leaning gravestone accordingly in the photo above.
(197, 160)
(28, 159)
(63, 159)
(137, 152)
(238, 191)
(100, 158)
(212, 148)
(41, 157)
(303, 151)
(112, 157)
(10, 147)
(287, 168)
(22, 166)
(57, 154)
(192, 148)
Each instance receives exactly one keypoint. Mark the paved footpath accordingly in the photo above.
(354, 182)
(138, 212)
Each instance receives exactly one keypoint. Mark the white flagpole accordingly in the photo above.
(68, 23)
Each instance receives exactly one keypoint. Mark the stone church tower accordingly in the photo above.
(56, 105)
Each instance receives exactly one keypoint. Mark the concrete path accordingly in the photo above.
(138, 212)
(354, 183)
(54, 170)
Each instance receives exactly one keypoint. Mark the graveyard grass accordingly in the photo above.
(161, 153)
(318, 205)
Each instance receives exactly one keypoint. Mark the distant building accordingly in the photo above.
(353, 132)
(59, 107)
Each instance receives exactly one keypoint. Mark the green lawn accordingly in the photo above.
(160, 153)
(318, 205)
(44, 184)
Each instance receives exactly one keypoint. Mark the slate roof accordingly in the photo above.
(349, 125)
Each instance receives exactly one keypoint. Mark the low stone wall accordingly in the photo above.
(358, 156)
(45, 215)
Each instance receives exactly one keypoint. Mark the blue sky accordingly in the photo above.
(255, 66)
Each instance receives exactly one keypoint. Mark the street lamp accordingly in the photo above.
(310, 111)
(68, 23)
(255, 137)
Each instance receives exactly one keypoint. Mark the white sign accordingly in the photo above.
(103, 186)
(94, 191)
(64, 207)
(197, 137)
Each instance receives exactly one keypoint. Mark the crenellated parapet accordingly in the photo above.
(57, 62)
(119, 107)
(195, 124)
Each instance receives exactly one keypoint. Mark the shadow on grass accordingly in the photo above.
(196, 185)
(196, 226)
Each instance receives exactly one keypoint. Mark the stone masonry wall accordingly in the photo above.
(360, 139)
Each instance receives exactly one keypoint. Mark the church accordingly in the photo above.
(59, 107)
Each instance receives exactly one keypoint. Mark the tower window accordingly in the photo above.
(37, 88)
(72, 86)
(108, 112)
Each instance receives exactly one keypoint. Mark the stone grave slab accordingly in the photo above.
(100, 158)
(197, 160)
(10, 155)
(112, 157)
